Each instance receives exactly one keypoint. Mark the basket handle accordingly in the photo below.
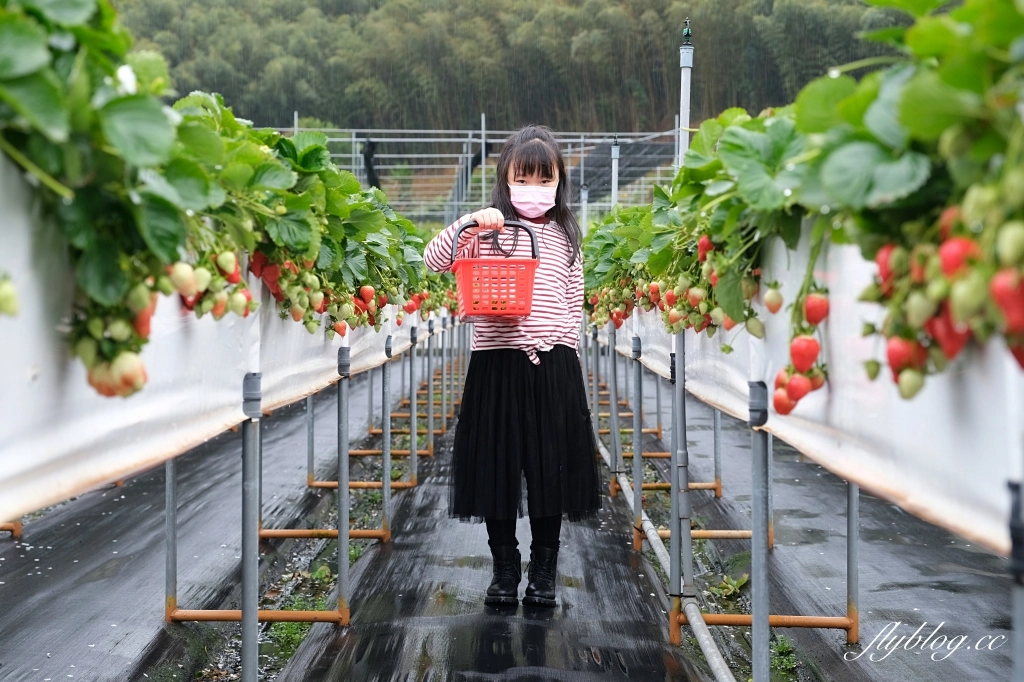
(509, 223)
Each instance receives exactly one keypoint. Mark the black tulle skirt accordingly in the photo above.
(528, 425)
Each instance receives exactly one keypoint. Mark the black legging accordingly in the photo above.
(545, 529)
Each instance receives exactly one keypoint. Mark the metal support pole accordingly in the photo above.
(638, 448)
(171, 537)
(685, 67)
(615, 172)
(344, 587)
(250, 527)
(853, 560)
(386, 445)
(430, 387)
(414, 437)
(675, 551)
(1016, 569)
(595, 349)
(584, 359)
(613, 410)
(309, 440)
(718, 452)
(682, 464)
(369, 415)
(483, 160)
(771, 492)
(444, 376)
(657, 401)
(760, 631)
(584, 206)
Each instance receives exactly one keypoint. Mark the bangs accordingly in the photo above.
(534, 157)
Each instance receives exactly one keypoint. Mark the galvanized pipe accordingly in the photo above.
(584, 360)
(444, 376)
(251, 399)
(369, 414)
(683, 471)
(596, 350)
(386, 445)
(613, 402)
(430, 386)
(853, 559)
(759, 602)
(414, 438)
(309, 439)
(638, 448)
(674, 524)
(718, 451)
(344, 587)
(171, 537)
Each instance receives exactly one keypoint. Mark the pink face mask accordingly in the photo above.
(532, 201)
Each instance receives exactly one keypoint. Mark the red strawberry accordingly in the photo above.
(661, 305)
(655, 291)
(360, 304)
(617, 323)
(366, 292)
(371, 320)
(944, 331)
(410, 306)
(773, 300)
(695, 295)
(815, 308)
(341, 328)
(236, 275)
(947, 220)
(704, 247)
(1007, 289)
(782, 402)
(882, 260)
(1017, 349)
(257, 262)
(398, 320)
(798, 387)
(674, 316)
(954, 254)
(271, 273)
(804, 351)
(382, 300)
(903, 353)
(782, 378)
(593, 300)
(728, 323)
(297, 313)
(220, 305)
(288, 265)
(714, 278)
(308, 264)
(670, 298)
(189, 302)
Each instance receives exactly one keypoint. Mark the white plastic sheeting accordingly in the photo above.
(59, 438)
(944, 456)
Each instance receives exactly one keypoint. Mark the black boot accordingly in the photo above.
(542, 572)
(508, 571)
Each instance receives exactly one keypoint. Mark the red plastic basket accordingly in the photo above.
(495, 286)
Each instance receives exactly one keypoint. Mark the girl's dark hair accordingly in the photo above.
(533, 149)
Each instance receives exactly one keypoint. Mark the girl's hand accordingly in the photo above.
(487, 219)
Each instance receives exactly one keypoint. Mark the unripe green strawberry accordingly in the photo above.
(217, 285)
(980, 202)
(119, 330)
(8, 298)
(1012, 187)
(332, 310)
(717, 316)
(755, 327)
(330, 333)
(868, 329)
(310, 280)
(711, 329)
(252, 306)
(303, 300)
(346, 310)
(312, 326)
(899, 260)
(919, 308)
(280, 209)
(1010, 243)
(237, 303)
(749, 287)
(938, 358)
(872, 367)
(203, 278)
(702, 307)
(967, 296)
(128, 373)
(707, 268)
(164, 285)
(206, 305)
(938, 289)
(138, 298)
(85, 348)
(911, 381)
(315, 299)
(184, 279)
(871, 294)
(695, 318)
(227, 261)
(95, 325)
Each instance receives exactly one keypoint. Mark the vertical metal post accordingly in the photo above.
(615, 172)
(615, 434)
(674, 521)
(352, 152)
(444, 375)
(584, 208)
(344, 588)
(309, 440)
(759, 536)
(677, 155)
(685, 67)
(295, 123)
(386, 445)
(1016, 569)
(414, 437)
(369, 414)
(171, 538)
(718, 452)
(595, 349)
(483, 160)
(853, 560)
(584, 358)
(638, 448)
(430, 387)
(771, 493)
(250, 527)
(682, 469)
(657, 400)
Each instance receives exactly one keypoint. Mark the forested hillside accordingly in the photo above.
(572, 64)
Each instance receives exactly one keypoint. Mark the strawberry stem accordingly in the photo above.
(35, 170)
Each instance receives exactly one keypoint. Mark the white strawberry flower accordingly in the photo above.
(126, 79)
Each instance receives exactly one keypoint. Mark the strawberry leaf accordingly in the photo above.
(291, 230)
(201, 143)
(38, 98)
(99, 273)
(272, 176)
(23, 47)
(138, 129)
(66, 12)
(817, 104)
(161, 226)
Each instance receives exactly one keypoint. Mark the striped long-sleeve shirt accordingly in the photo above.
(557, 289)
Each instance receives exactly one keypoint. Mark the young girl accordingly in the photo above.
(524, 413)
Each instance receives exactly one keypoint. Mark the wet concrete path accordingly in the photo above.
(418, 609)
